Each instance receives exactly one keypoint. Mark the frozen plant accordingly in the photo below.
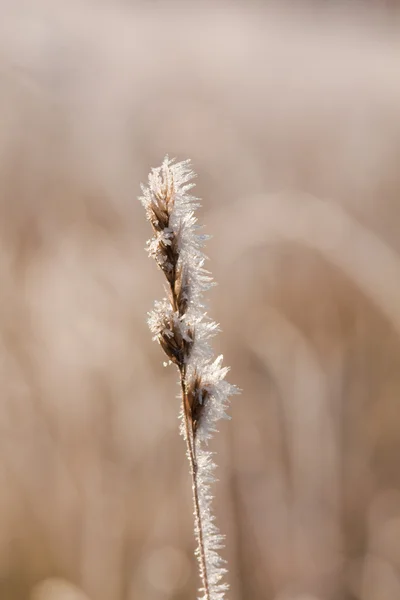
(183, 329)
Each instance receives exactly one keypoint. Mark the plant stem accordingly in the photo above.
(190, 442)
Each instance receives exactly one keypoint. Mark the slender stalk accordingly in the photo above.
(191, 452)
(182, 328)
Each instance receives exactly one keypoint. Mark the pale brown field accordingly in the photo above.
(292, 120)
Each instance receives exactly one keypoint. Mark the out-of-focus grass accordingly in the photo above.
(291, 118)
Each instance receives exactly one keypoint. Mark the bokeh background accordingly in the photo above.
(290, 112)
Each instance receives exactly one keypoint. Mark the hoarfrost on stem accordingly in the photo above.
(183, 329)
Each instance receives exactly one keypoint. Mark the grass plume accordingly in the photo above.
(183, 329)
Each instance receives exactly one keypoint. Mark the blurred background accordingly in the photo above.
(290, 112)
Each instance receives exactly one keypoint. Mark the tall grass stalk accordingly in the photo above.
(183, 329)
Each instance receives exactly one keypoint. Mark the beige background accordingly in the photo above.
(292, 119)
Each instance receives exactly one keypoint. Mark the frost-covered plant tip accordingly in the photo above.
(183, 329)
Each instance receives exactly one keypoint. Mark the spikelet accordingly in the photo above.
(183, 329)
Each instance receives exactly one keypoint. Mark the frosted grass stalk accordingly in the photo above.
(183, 329)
